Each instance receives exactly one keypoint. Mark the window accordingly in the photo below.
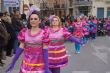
(108, 11)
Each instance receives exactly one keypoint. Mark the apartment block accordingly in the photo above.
(98, 8)
(101, 8)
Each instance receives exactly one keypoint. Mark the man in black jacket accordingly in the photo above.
(16, 18)
(3, 38)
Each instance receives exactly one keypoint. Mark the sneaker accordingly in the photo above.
(83, 45)
(77, 52)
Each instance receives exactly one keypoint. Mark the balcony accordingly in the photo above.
(45, 6)
(107, 1)
(83, 2)
(63, 6)
(71, 3)
(56, 5)
(59, 6)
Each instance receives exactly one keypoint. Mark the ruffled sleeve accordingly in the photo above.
(46, 36)
(21, 35)
(66, 33)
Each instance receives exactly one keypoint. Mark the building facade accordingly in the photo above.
(98, 8)
(77, 7)
(57, 7)
(83, 6)
(101, 8)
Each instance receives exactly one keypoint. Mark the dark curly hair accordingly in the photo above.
(34, 12)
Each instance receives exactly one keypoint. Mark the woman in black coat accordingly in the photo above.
(3, 40)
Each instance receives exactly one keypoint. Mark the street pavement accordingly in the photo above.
(94, 58)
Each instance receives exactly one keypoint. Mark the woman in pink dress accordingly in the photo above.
(33, 44)
(95, 21)
(57, 51)
(93, 26)
(86, 29)
(78, 32)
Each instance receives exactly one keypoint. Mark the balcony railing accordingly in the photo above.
(52, 6)
(63, 5)
(56, 5)
(46, 5)
(107, 1)
(83, 3)
(59, 5)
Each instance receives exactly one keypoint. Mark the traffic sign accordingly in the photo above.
(11, 3)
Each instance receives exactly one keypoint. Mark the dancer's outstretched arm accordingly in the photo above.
(45, 51)
(18, 53)
(75, 39)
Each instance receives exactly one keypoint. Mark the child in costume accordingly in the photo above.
(94, 28)
(78, 33)
(86, 29)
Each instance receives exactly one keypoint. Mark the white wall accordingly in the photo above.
(97, 5)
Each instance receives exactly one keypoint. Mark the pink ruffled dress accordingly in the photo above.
(85, 30)
(78, 29)
(95, 21)
(33, 58)
(57, 50)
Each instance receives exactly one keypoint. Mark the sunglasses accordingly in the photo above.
(33, 18)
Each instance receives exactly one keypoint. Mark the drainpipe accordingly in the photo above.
(2, 5)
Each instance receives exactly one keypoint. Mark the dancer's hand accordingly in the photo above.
(10, 68)
(82, 42)
(18, 53)
(77, 40)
